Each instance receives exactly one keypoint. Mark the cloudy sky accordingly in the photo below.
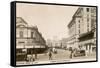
(51, 20)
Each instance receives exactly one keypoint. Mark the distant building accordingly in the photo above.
(82, 29)
(49, 42)
(28, 40)
(64, 43)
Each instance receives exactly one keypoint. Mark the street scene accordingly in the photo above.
(55, 34)
(61, 56)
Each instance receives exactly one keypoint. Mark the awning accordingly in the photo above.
(85, 34)
(90, 41)
(89, 44)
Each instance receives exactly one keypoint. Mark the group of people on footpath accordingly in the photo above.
(31, 58)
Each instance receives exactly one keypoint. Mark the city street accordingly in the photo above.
(61, 56)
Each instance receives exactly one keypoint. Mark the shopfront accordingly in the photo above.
(87, 42)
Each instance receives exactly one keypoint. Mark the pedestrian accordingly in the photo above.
(30, 57)
(35, 54)
(33, 59)
(27, 60)
(71, 54)
(50, 55)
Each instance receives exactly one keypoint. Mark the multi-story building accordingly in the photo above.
(73, 34)
(83, 28)
(28, 40)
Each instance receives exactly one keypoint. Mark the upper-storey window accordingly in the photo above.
(87, 9)
(79, 21)
(32, 34)
(87, 18)
(21, 34)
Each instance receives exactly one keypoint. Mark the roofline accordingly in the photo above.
(76, 12)
(70, 23)
(22, 20)
(73, 16)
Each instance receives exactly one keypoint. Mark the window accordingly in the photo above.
(87, 18)
(79, 21)
(93, 23)
(79, 24)
(21, 34)
(86, 47)
(93, 10)
(87, 9)
(32, 34)
(79, 31)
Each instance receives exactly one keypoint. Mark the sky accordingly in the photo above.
(51, 20)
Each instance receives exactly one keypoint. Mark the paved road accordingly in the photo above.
(61, 55)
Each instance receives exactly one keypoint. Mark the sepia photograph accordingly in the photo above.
(47, 34)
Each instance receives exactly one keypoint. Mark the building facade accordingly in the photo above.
(28, 40)
(83, 28)
(73, 33)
